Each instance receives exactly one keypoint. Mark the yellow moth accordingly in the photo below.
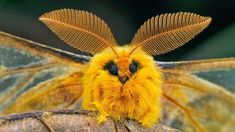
(124, 81)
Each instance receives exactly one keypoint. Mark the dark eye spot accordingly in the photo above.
(112, 68)
(133, 67)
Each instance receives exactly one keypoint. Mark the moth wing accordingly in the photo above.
(199, 95)
(35, 77)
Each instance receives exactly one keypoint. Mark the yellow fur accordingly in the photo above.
(138, 98)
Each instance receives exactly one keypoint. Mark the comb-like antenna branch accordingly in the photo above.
(80, 29)
(166, 32)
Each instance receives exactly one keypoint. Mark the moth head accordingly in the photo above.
(121, 77)
(129, 68)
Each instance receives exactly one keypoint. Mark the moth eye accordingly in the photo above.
(112, 68)
(133, 67)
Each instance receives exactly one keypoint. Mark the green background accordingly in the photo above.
(124, 18)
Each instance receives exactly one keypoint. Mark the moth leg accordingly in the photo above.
(103, 115)
(149, 117)
(97, 97)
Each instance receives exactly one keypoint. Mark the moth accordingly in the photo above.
(119, 82)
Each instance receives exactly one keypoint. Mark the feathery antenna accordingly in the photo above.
(164, 33)
(80, 29)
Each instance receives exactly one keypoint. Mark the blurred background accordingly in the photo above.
(20, 17)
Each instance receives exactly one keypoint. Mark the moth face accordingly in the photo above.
(122, 75)
(122, 66)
